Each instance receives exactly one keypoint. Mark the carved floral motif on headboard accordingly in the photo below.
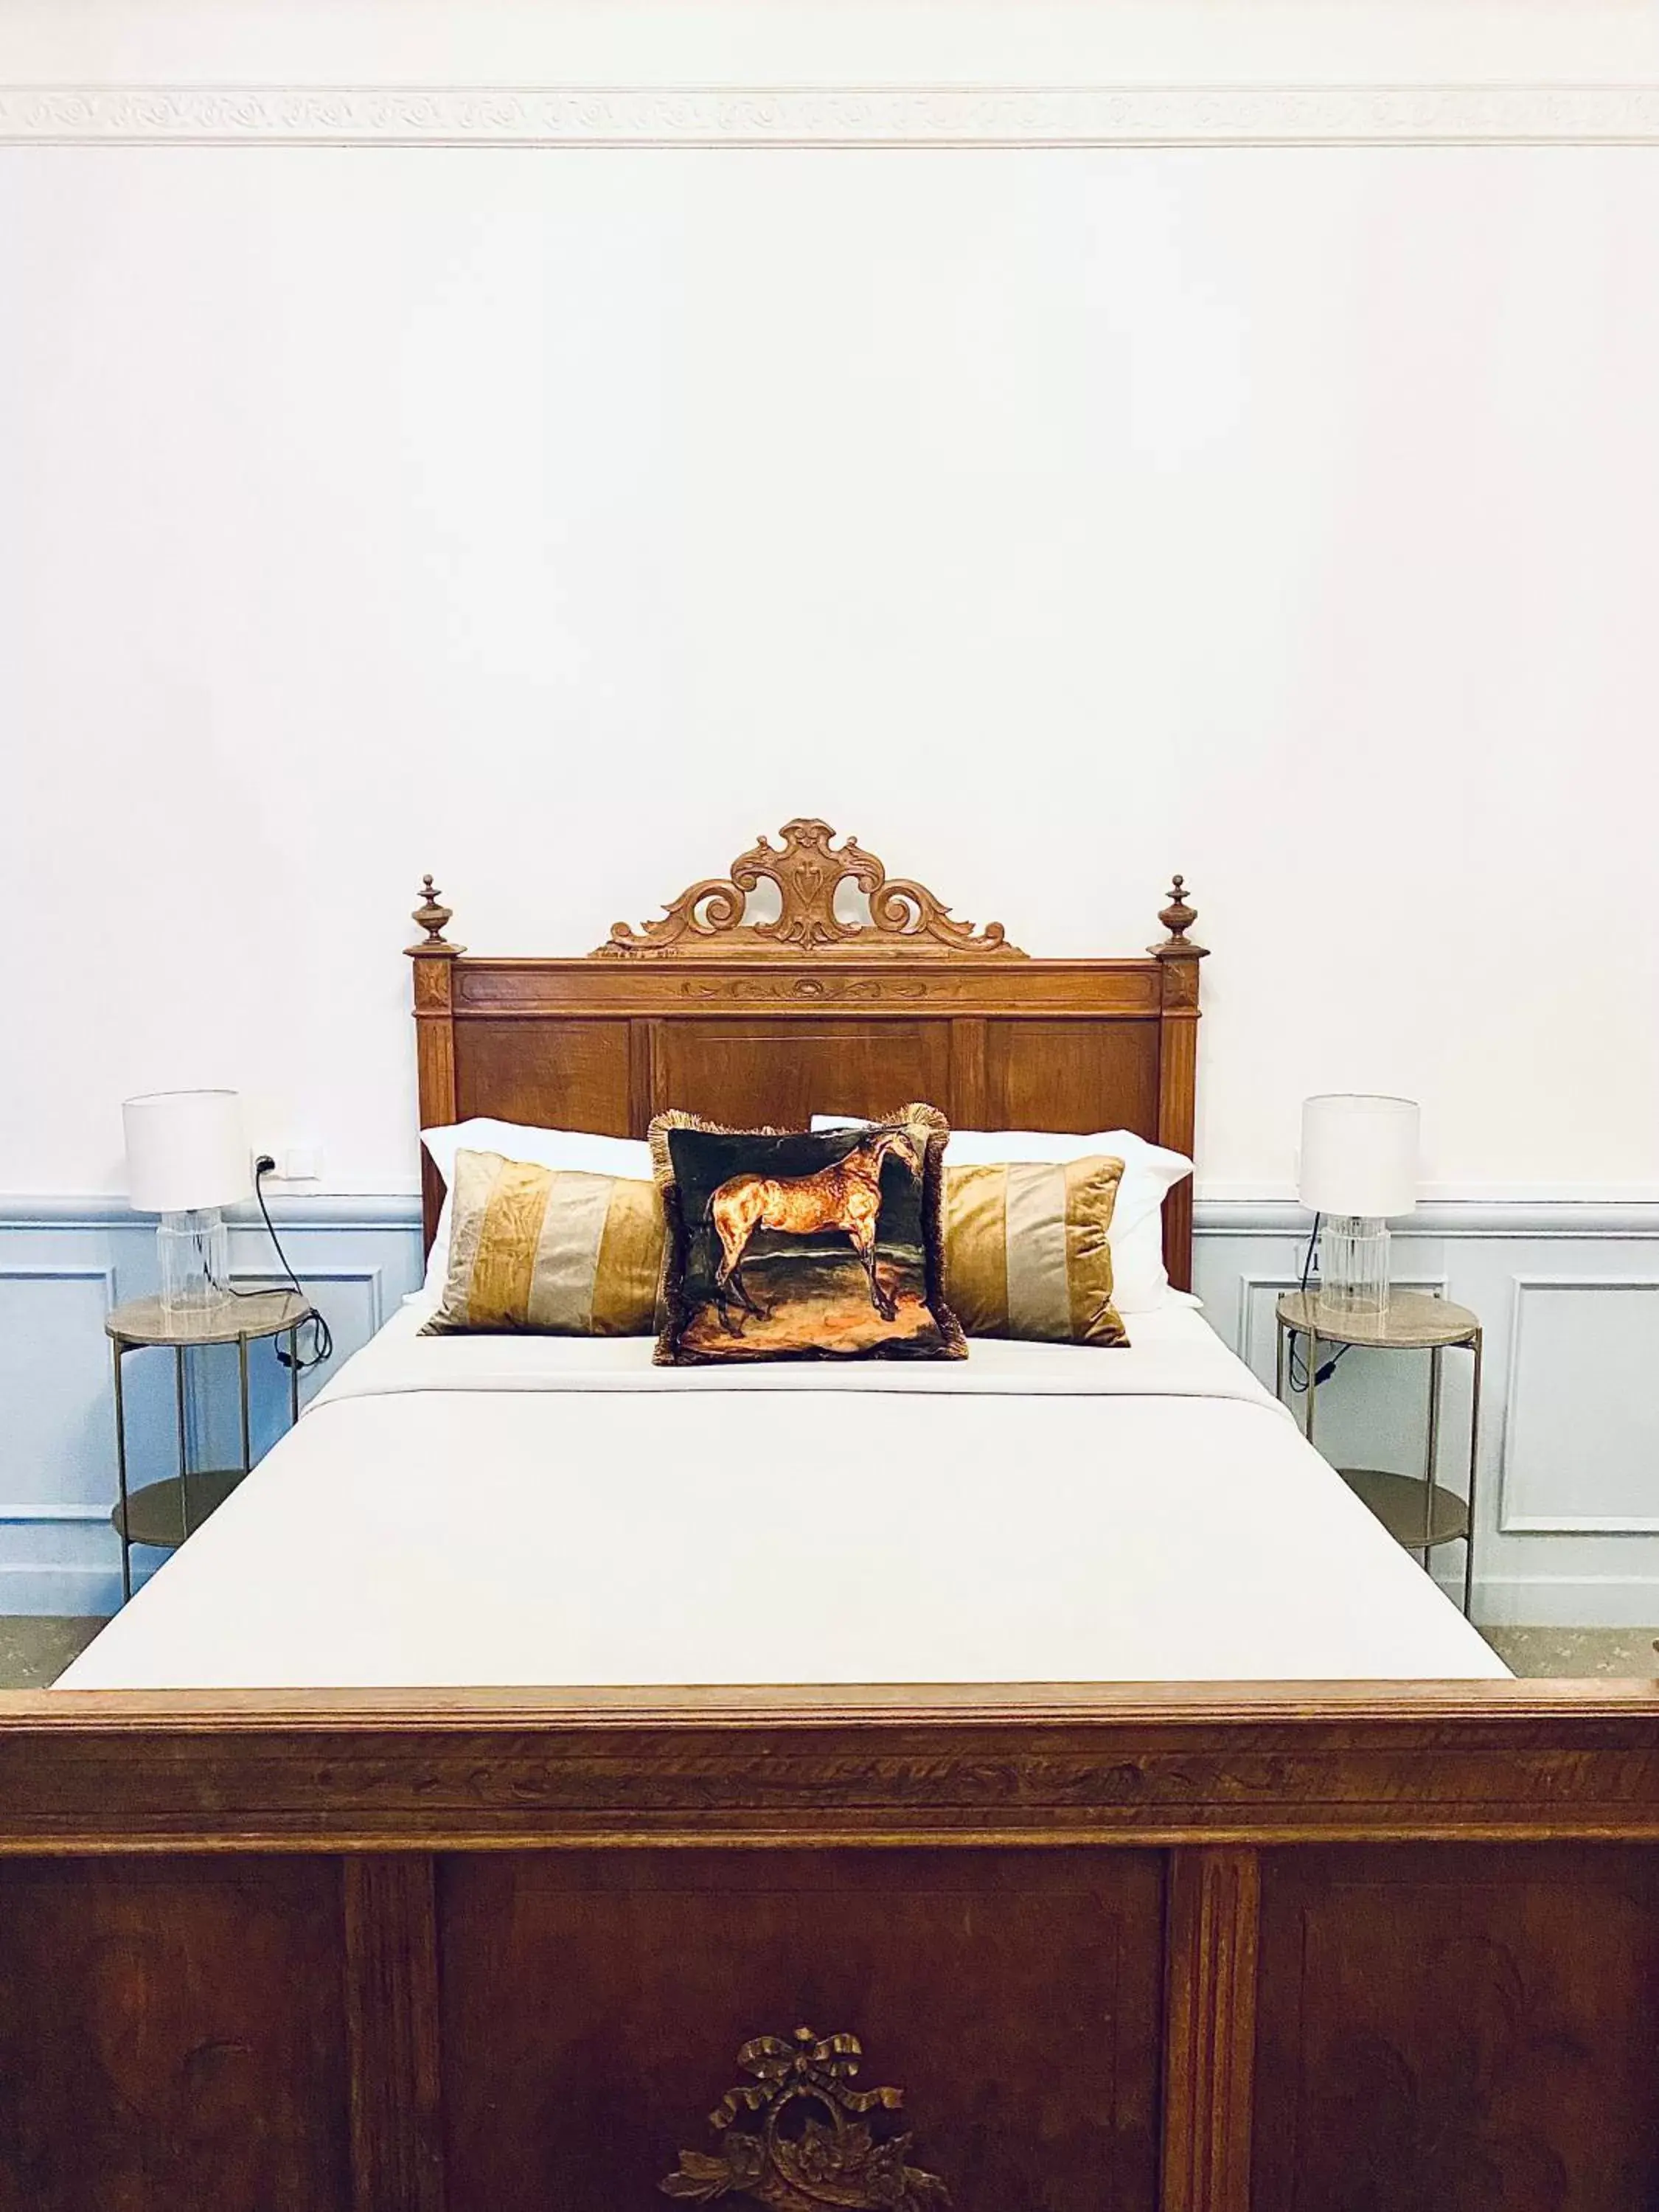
(807, 870)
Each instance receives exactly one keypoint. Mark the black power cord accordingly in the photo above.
(322, 1337)
(1298, 1364)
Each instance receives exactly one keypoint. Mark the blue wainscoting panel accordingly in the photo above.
(62, 1264)
(1584, 1362)
(57, 1441)
(54, 1381)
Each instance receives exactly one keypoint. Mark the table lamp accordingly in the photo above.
(187, 1158)
(1359, 1167)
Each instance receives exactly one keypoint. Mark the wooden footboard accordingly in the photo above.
(1075, 1951)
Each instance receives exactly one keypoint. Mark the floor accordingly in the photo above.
(35, 1648)
(1578, 1652)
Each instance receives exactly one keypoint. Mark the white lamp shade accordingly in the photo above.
(1358, 1155)
(186, 1150)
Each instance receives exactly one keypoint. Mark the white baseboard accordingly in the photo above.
(83, 1593)
(1565, 1601)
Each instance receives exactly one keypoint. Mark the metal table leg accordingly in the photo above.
(294, 1374)
(121, 1473)
(184, 1449)
(241, 1374)
(1430, 1455)
(1312, 1355)
(1474, 1454)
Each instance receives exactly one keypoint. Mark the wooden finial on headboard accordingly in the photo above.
(1178, 918)
(432, 917)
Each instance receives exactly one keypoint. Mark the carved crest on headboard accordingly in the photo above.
(808, 869)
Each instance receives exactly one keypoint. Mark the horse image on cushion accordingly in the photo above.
(787, 1244)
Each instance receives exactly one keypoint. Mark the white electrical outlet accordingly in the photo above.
(300, 1163)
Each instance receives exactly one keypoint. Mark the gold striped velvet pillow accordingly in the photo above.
(1026, 1253)
(549, 1249)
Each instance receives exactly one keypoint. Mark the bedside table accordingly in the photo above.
(163, 1514)
(1417, 1511)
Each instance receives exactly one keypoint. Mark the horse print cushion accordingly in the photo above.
(549, 1249)
(788, 1245)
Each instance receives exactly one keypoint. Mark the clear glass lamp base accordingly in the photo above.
(195, 1255)
(1353, 1264)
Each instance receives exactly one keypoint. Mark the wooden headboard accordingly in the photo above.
(770, 1020)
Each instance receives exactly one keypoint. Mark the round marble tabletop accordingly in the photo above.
(1412, 1321)
(257, 1313)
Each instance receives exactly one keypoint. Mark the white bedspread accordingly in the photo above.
(528, 1511)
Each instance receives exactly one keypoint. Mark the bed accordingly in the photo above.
(535, 1830)
(438, 1508)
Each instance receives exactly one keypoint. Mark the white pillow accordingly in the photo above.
(542, 1148)
(1141, 1282)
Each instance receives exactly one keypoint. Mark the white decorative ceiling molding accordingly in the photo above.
(990, 116)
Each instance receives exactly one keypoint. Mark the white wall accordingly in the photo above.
(828, 41)
(1051, 520)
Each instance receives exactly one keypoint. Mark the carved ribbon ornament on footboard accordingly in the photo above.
(809, 2144)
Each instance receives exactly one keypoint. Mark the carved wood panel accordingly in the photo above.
(1021, 1074)
(172, 2034)
(592, 2004)
(1458, 2031)
(1070, 1075)
(564, 1075)
(744, 1072)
